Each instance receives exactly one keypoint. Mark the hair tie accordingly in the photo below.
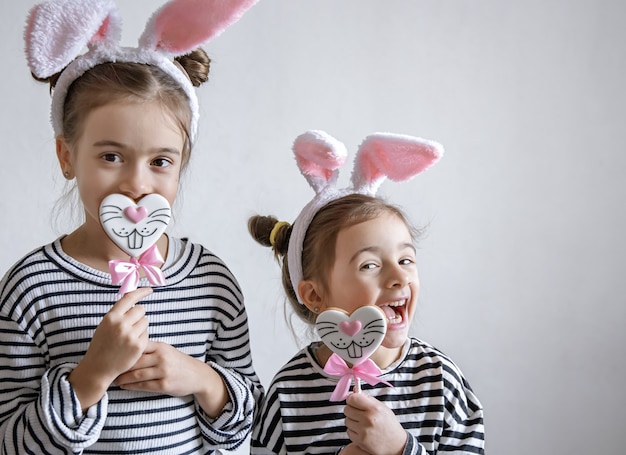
(275, 229)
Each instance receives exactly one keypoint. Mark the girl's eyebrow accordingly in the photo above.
(375, 249)
(109, 143)
(367, 249)
(410, 246)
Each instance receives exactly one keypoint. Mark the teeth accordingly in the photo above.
(396, 303)
(396, 318)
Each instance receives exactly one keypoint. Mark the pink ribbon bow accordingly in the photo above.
(127, 272)
(366, 370)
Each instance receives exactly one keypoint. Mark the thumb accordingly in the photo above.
(360, 400)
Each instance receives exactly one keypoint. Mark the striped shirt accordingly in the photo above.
(50, 306)
(430, 398)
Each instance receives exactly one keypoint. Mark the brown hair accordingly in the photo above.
(137, 82)
(322, 232)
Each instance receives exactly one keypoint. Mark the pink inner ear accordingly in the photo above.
(397, 159)
(316, 161)
(183, 25)
(102, 31)
(318, 154)
(350, 328)
(179, 39)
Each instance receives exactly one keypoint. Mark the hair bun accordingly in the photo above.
(197, 65)
(261, 228)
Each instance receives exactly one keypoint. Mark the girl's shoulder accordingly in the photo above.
(299, 367)
(183, 251)
(419, 348)
(194, 259)
(423, 356)
(36, 266)
(34, 262)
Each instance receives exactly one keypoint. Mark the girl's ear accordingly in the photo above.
(310, 295)
(64, 156)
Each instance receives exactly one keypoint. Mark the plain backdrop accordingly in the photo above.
(522, 266)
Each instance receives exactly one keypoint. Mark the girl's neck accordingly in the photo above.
(96, 249)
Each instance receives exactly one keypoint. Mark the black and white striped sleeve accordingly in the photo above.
(39, 411)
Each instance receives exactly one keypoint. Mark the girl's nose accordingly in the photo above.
(134, 184)
(397, 278)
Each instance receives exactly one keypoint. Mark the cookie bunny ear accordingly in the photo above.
(181, 26)
(393, 156)
(318, 156)
(57, 32)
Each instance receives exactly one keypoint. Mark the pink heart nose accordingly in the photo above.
(135, 214)
(350, 328)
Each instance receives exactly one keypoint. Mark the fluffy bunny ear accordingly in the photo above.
(181, 26)
(318, 156)
(395, 156)
(59, 30)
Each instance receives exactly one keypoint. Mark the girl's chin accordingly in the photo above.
(395, 338)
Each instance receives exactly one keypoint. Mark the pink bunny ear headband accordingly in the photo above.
(58, 30)
(380, 155)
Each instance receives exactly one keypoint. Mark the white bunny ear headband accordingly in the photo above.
(380, 156)
(57, 31)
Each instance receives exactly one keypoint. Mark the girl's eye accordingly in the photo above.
(406, 261)
(111, 157)
(368, 266)
(161, 162)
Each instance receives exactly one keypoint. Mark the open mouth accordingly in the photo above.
(395, 311)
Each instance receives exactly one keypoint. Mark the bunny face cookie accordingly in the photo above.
(135, 227)
(353, 337)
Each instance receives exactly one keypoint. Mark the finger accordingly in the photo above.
(134, 313)
(359, 401)
(351, 413)
(144, 386)
(134, 376)
(152, 346)
(130, 299)
(352, 424)
(141, 367)
(141, 323)
(352, 435)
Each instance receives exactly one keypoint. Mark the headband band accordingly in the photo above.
(58, 30)
(381, 155)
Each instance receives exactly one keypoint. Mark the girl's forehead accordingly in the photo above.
(382, 220)
(129, 122)
(385, 230)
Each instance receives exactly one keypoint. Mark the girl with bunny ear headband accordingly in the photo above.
(89, 365)
(380, 156)
(349, 267)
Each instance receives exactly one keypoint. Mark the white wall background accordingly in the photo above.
(523, 267)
